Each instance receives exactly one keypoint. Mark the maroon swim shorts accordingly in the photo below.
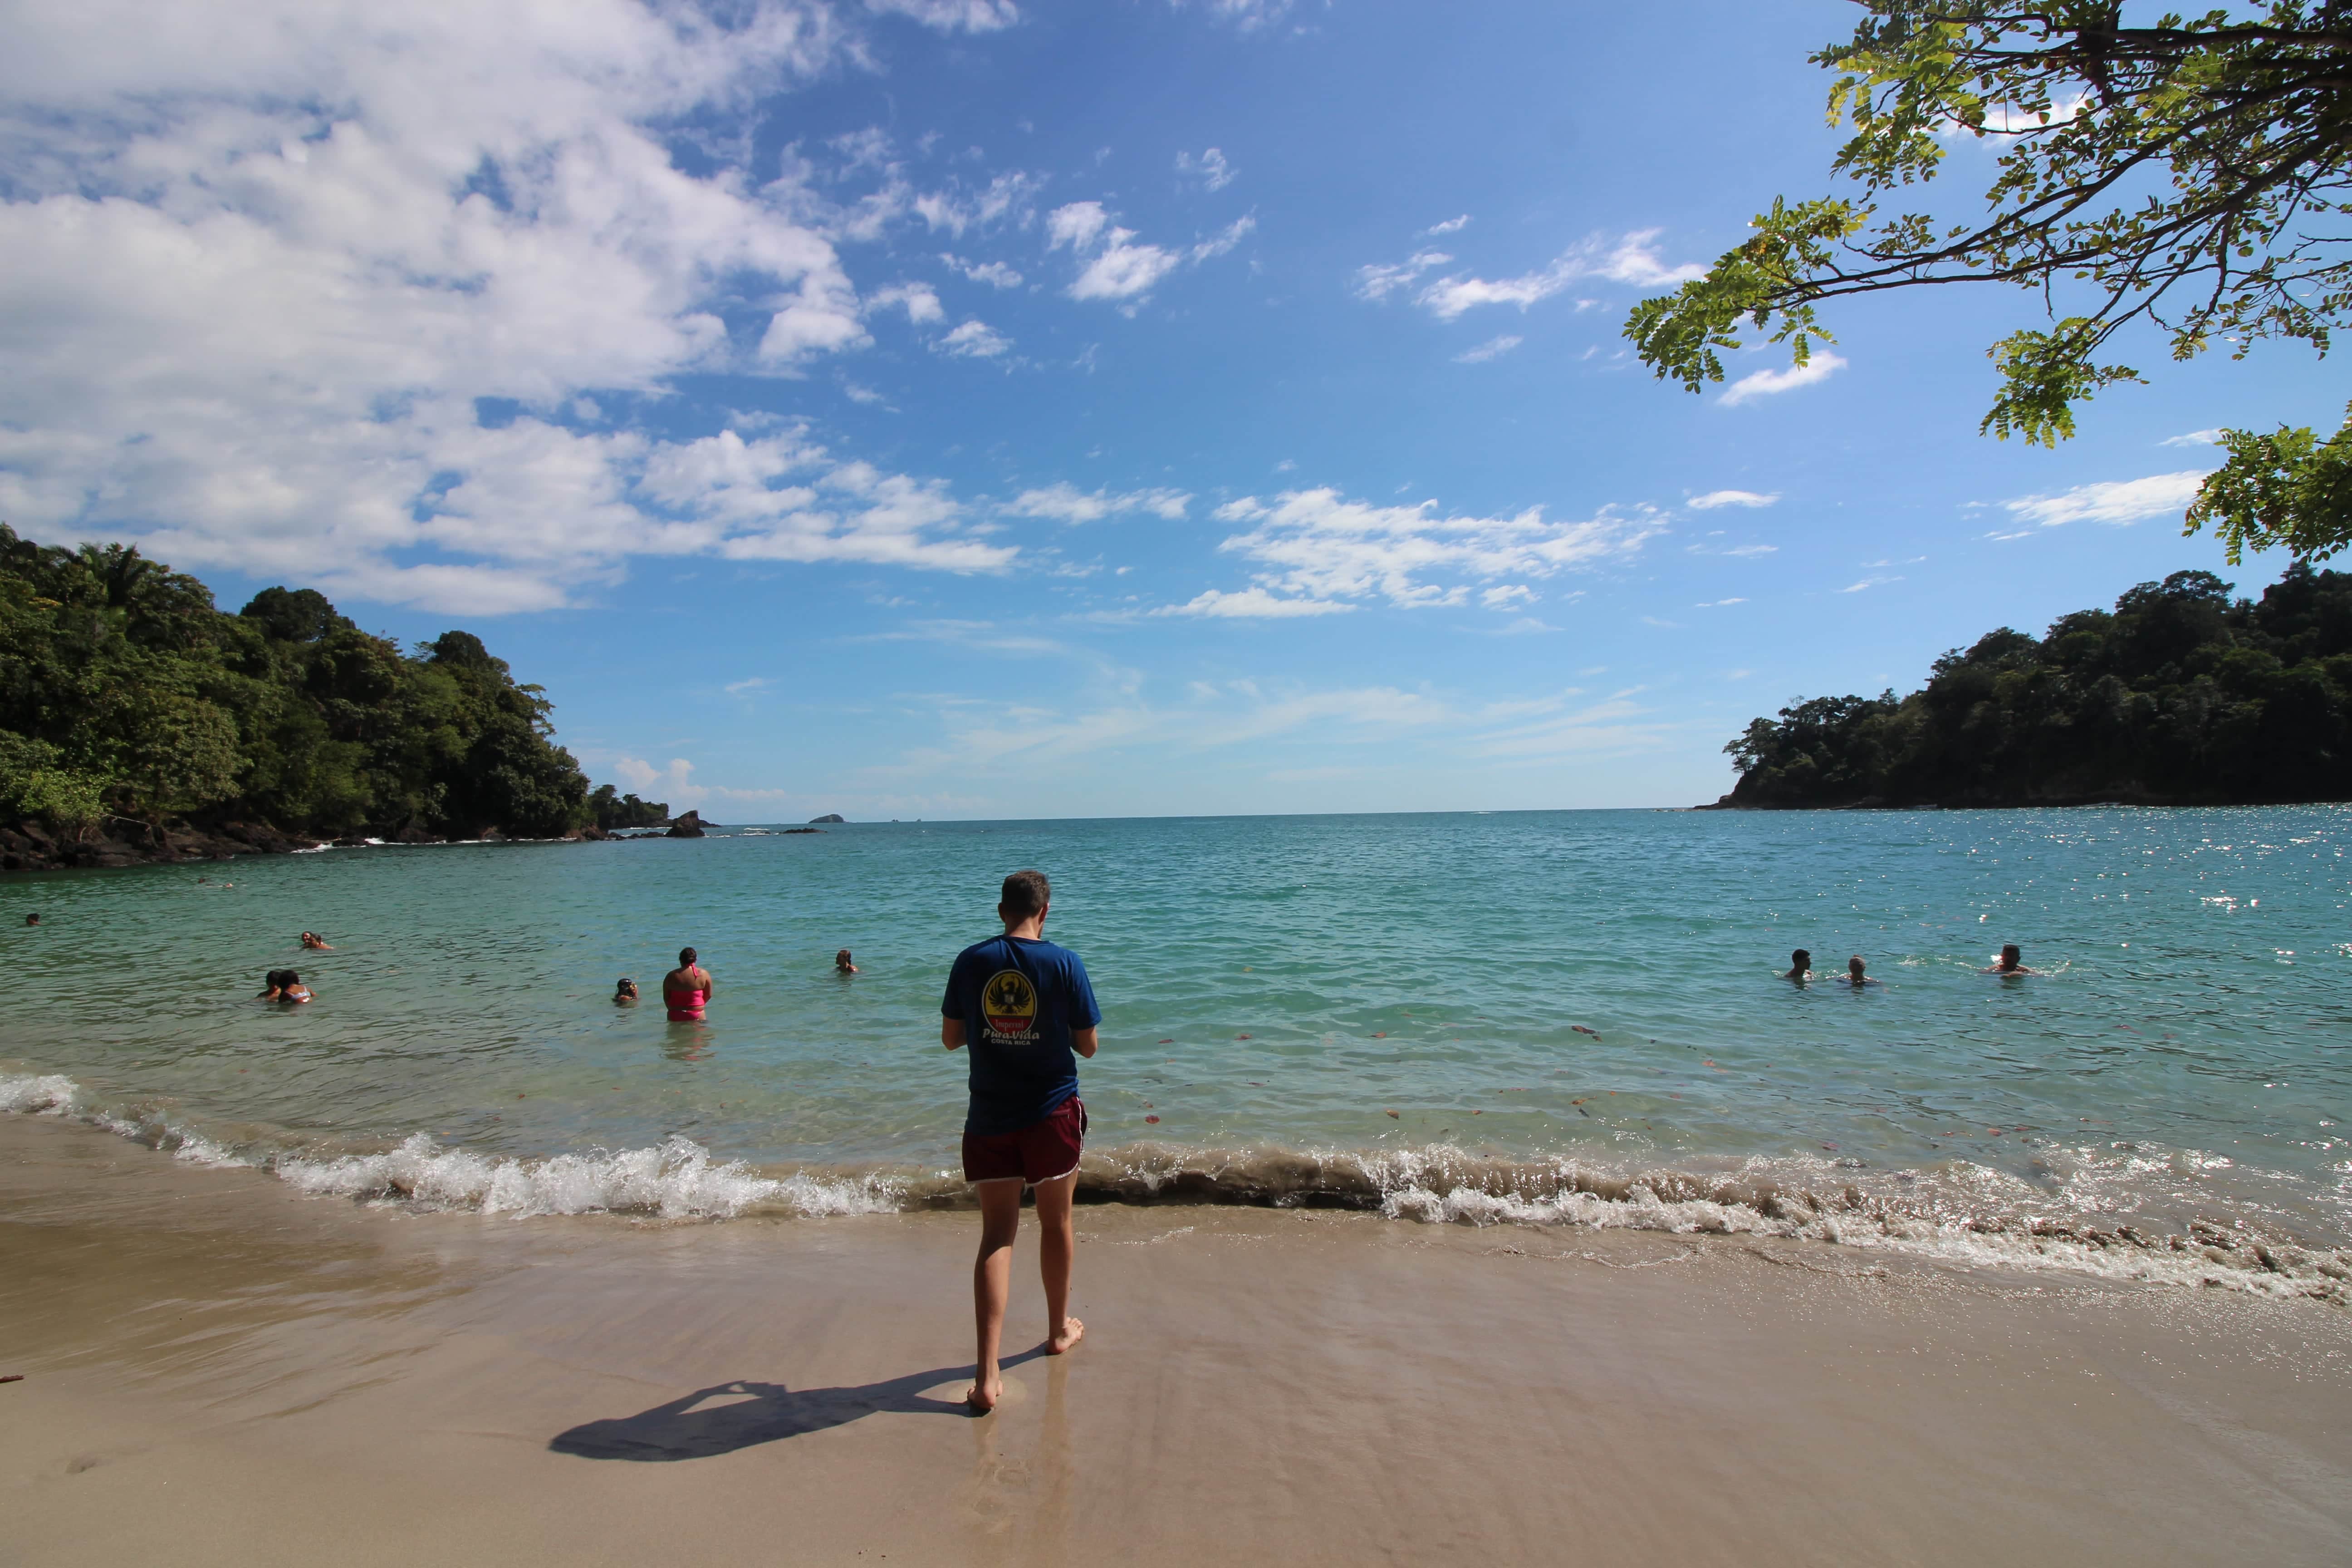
(1037, 1152)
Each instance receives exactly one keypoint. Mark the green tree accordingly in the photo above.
(2191, 174)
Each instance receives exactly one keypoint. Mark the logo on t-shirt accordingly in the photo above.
(1009, 1003)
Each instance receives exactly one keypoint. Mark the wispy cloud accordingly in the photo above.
(1113, 264)
(1318, 544)
(1450, 226)
(1210, 168)
(1868, 582)
(1820, 366)
(975, 340)
(995, 274)
(2194, 438)
(1714, 498)
(1253, 604)
(1065, 502)
(1492, 348)
(1377, 282)
(1632, 259)
(2118, 502)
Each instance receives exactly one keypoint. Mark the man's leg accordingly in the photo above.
(992, 1284)
(1056, 1242)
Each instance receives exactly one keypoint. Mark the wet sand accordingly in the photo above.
(218, 1370)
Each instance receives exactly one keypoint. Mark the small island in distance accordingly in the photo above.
(2178, 696)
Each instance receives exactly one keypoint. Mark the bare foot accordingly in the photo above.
(1072, 1332)
(982, 1397)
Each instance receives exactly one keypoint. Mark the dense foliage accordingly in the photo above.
(2188, 171)
(609, 810)
(2180, 694)
(124, 693)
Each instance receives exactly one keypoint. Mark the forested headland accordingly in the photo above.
(2179, 695)
(138, 721)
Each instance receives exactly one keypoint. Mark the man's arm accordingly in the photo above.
(1081, 1040)
(952, 1035)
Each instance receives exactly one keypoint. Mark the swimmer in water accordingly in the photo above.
(2012, 962)
(841, 964)
(316, 942)
(1855, 977)
(1800, 966)
(284, 985)
(32, 920)
(686, 989)
(624, 994)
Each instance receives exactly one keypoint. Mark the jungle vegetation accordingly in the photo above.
(125, 692)
(2188, 173)
(2179, 695)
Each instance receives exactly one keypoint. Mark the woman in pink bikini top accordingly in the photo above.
(686, 989)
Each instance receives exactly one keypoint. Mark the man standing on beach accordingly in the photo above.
(1025, 1009)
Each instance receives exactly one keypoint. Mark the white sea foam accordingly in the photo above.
(51, 1094)
(676, 1180)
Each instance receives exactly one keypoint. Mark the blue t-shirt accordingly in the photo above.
(1019, 1000)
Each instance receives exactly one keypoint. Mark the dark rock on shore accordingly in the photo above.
(32, 845)
(690, 826)
(829, 817)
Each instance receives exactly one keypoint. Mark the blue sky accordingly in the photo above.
(972, 408)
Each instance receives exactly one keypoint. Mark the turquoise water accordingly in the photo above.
(1274, 985)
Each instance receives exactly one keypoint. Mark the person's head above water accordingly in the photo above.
(843, 962)
(1026, 896)
(1853, 966)
(625, 988)
(1801, 963)
(2010, 958)
(32, 920)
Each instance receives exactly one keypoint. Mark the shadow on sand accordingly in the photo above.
(743, 1414)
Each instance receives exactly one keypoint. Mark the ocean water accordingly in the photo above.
(1570, 1017)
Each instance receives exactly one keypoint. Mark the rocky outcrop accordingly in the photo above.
(33, 846)
(690, 826)
(829, 817)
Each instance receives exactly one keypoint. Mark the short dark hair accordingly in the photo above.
(686, 955)
(1026, 893)
(1802, 955)
(2007, 947)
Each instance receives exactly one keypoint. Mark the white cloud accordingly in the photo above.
(1717, 604)
(1868, 582)
(2117, 501)
(1253, 604)
(1632, 259)
(1065, 502)
(1214, 173)
(1316, 544)
(1248, 16)
(995, 274)
(1492, 348)
(921, 302)
(1450, 226)
(975, 340)
(953, 16)
(2194, 438)
(1820, 366)
(1714, 498)
(1752, 550)
(1380, 282)
(265, 259)
(1113, 264)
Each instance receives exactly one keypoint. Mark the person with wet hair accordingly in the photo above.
(1026, 1010)
(1800, 966)
(315, 943)
(841, 964)
(283, 986)
(32, 920)
(686, 989)
(2012, 962)
(1855, 976)
(624, 994)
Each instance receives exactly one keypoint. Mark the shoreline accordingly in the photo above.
(1943, 1215)
(212, 1360)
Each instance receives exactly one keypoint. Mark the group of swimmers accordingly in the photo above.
(285, 985)
(1800, 967)
(687, 990)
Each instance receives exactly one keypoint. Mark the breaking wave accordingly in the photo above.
(2120, 1212)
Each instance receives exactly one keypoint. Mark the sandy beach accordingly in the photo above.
(217, 1368)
